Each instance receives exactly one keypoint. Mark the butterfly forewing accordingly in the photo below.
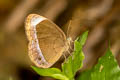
(46, 40)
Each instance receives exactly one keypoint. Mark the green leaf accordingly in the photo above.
(106, 69)
(82, 38)
(51, 72)
(75, 62)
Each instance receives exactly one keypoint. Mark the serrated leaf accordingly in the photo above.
(75, 62)
(106, 69)
(50, 72)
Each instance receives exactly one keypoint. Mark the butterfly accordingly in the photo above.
(47, 42)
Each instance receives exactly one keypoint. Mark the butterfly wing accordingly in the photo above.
(46, 40)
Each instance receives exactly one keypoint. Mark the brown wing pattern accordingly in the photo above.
(46, 41)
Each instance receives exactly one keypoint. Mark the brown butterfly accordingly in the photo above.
(47, 41)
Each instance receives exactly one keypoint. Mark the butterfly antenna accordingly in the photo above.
(68, 28)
